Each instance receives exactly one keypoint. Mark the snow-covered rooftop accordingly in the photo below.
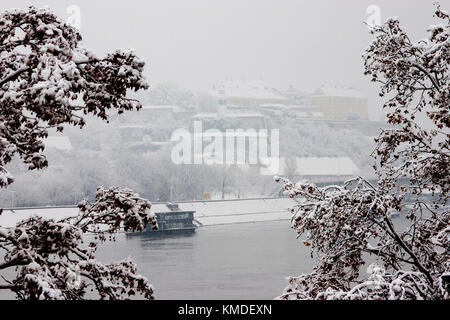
(247, 89)
(293, 91)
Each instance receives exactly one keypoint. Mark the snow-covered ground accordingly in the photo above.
(206, 212)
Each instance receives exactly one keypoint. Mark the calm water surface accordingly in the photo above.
(241, 261)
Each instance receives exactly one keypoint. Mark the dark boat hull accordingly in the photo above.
(170, 224)
(165, 233)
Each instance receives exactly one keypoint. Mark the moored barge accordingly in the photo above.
(170, 223)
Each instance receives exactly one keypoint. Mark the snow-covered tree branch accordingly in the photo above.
(49, 253)
(417, 77)
(47, 80)
(346, 224)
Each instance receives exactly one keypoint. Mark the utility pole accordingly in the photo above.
(223, 182)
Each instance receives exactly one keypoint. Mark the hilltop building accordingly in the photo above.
(296, 97)
(247, 94)
(340, 103)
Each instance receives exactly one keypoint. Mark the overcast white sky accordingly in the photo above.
(197, 43)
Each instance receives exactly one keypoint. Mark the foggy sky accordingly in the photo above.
(197, 43)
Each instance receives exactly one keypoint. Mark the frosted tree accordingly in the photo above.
(49, 80)
(346, 224)
(56, 259)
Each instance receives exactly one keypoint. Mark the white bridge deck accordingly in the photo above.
(207, 213)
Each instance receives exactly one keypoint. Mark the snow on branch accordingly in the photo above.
(48, 80)
(48, 253)
(416, 76)
(344, 224)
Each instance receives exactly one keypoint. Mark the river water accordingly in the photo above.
(234, 261)
(240, 261)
